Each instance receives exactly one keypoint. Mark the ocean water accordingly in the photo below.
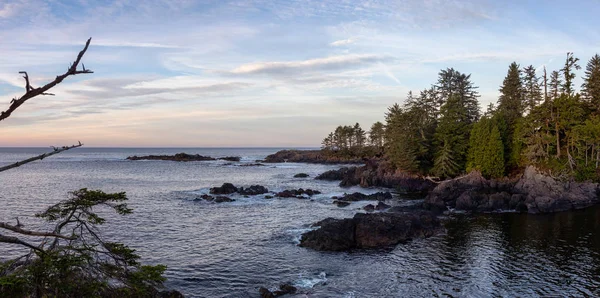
(232, 249)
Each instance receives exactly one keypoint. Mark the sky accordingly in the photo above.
(259, 73)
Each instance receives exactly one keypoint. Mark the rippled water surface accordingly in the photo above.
(231, 249)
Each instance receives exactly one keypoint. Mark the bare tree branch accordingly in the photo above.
(15, 240)
(19, 230)
(31, 92)
(39, 157)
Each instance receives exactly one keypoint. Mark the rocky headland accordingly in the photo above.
(183, 157)
(309, 156)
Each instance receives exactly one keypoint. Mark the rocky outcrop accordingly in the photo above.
(341, 203)
(370, 230)
(225, 189)
(357, 196)
(333, 175)
(533, 192)
(301, 175)
(297, 193)
(217, 199)
(253, 190)
(308, 156)
(284, 289)
(176, 157)
(230, 158)
(378, 173)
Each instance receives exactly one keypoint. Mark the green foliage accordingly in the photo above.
(445, 165)
(486, 151)
(591, 84)
(82, 265)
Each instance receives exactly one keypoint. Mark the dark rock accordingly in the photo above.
(253, 190)
(207, 197)
(370, 230)
(285, 289)
(176, 157)
(268, 197)
(252, 165)
(223, 199)
(225, 189)
(297, 193)
(382, 206)
(369, 208)
(341, 203)
(265, 293)
(301, 175)
(333, 175)
(230, 158)
(381, 173)
(533, 192)
(357, 196)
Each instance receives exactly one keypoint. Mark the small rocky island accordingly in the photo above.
(183, 157)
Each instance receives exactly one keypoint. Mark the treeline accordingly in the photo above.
(538, 119)
(353, 141)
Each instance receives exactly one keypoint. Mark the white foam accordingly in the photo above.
(311, 282)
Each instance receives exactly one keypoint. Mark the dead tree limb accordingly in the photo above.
(15, 240)
(31, 92)
(39, 157)
(19, 230)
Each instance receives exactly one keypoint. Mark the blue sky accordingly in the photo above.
(258, 72)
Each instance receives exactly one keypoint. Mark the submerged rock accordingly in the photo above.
(230, 158)
(253, 190)
(382, 206)
(369, 208)
(301, 175)
(341, 203)
(225, 189)
(284, 289)
(223, 199)
(370, 230)
(297, 193)
(217, 199)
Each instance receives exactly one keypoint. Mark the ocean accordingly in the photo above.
(232, 249)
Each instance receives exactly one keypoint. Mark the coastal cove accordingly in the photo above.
(231, 249)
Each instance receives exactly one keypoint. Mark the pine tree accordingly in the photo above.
(591, 84)
(555, 83)
(452, 133)
(494, 155)
(510, 107)
(533, 94)
(445, 165)
(376, 134)
(569, 73)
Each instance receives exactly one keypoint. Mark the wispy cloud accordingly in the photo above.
(311, 65)
(342, 42)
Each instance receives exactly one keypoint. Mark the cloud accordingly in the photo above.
(319, 64)
(342, 42)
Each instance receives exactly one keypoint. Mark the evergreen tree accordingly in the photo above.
(453, 83)
(486, 151)
(510, 107)
(569, 73)
(555, 83)
(591, 84)
(533, 94)
(376, 135)
(452, 136)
